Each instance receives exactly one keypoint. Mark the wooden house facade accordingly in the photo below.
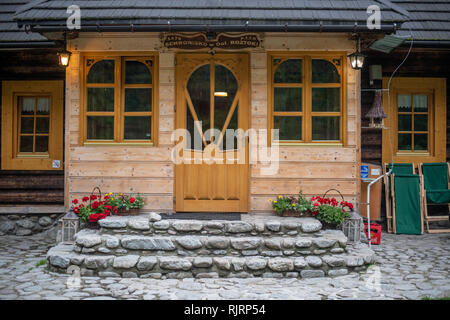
(138, 74)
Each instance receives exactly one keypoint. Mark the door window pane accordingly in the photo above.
(288, 99)
(290, 71)
(100, 128)
(43, 106)
(137, 128)
(404, 141)
(290, 127)
(138, 100)
(420, 103)
(404, 103)
(324, 71)
(137, 73)
(101, 72)
(404, 122)
(326, 99)
(198, 87)
(325, 128)
(100, 99)
(28, 106)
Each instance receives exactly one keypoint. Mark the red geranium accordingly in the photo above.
(75, 201)
(94, 217)
(93, 197)
(95, 205)
(132, 200)
(76, 210)
(85, 199)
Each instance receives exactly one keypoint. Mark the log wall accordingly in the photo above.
(28, 186)
(148, 170)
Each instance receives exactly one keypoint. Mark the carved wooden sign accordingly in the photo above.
(200, 41)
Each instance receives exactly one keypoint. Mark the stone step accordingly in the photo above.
(62, 258)
(95, 242)
(151, 223)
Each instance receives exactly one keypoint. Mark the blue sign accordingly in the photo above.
(364, 172)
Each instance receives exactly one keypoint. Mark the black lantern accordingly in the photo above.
(64, 58)
(357, 58)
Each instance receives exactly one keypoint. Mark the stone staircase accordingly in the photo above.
(146, 246)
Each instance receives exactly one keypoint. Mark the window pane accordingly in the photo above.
(101, 72)
(420, 103)
(137, 72)
(420, 122)
(41, 144)
(42, 125)
(26, 144)
(27, 125)
(420, 142)
(28, 106)
(137, 128)
(138, 100)
(100, 128)
(404, 122)
(198, 87)
(326, 99)
(324, 71)
(43, 106)
(404, 141)
(404, 103)
(288, 99)
(290, 127)
(325, 128)
(290, 71)
(100, 99)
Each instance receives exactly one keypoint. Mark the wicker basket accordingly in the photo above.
(131, 212)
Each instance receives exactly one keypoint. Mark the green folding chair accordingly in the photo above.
(406, 204)
(436, 190)
(398, 168)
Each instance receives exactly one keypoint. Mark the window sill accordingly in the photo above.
(33, 156)
(310, 144)
(118, 144)
(413, 154)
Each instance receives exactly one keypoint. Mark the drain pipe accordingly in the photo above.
(368, 203)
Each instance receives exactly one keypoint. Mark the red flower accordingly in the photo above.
(93, 197)
(316, 204)
(132, 200)
(315, 213)
(106, 197)
(85, 199)
(75, 201)
(95, 205)
(93, 217)
(102, 216)
(76, 210)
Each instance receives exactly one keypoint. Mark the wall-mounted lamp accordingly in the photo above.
(357, 58)
(64, 56)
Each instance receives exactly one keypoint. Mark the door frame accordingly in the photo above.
(181, 78)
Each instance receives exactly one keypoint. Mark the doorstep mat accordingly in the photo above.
(202, 215)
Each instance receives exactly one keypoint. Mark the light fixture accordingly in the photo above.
(357, 58)
(64, 56)
(220, 94)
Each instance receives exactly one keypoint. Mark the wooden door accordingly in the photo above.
(212, 93)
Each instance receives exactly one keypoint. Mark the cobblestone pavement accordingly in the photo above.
(408, 267)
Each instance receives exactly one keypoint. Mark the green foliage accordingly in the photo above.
(330, 214)
(41, 263)
(299, 204)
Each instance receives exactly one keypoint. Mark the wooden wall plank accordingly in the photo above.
(120, 153)
(120, 169)
(263, 186)
(124, 185)
(316, 170)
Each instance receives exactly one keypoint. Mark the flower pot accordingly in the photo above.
(294, 213)
(91, 225)
(329, 226)
(131, 212)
